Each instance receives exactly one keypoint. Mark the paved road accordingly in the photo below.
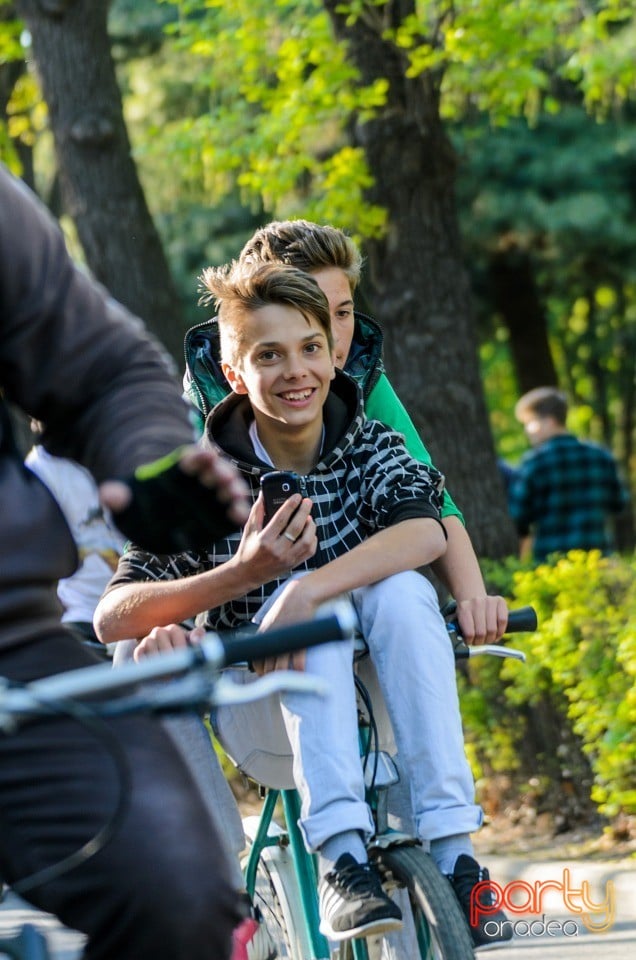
(611, 884)
(617, 944)
(564, 937)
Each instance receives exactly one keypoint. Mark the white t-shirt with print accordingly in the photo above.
(98, 541)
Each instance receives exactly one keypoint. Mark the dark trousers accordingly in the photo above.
(159, 888)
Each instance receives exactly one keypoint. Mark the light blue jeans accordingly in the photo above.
(409, 645)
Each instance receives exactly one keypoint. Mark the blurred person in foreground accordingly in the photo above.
(76, 360)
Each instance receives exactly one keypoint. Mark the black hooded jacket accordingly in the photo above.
(365, 481)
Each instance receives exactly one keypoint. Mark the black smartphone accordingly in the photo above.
(278, 486)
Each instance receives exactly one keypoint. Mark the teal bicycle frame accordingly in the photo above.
(384, 774)
(305, 864)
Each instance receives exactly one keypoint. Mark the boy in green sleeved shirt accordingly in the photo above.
(335, 262)
(384, 404)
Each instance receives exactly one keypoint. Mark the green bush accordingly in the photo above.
(575, 697)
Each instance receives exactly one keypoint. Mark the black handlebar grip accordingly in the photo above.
(519, 621)
(522, 620)
(251, 646)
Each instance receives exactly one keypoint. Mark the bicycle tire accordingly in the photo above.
(278, 905)
(267, 899)
(440, 926)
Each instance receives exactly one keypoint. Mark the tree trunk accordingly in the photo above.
(99, 181)
(516, 298)
(420, 287)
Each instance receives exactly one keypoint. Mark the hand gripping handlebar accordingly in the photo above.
(519, 621)
(194, 669)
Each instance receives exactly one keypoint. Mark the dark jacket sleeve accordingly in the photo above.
(73, 357)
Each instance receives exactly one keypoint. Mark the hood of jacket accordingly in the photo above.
(227, 426)
(204, 382)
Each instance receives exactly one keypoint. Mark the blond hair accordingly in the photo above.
(238, 289)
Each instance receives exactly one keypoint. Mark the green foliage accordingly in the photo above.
(8, 153)
(132, 22)
(26, 111)
(582, 659)
(562, 194)
(603, 56)
(195, 236)
(281, 91)
(501, 395)
(23, 112)
(10, 30)
(504, 57)
(278, 89)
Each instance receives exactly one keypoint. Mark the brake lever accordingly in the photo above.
(227, 692)
(463, 652)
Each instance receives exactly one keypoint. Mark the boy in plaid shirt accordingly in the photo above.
(565, 489)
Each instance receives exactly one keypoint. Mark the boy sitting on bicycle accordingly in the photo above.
(335, 262)
(376, 515)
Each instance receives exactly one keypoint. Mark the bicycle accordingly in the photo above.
(195, 682)
(281, 876)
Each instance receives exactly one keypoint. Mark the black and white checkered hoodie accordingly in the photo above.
(365, 481)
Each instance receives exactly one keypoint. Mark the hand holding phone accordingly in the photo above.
(278, 486)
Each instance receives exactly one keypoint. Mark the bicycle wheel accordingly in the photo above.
(267, 899)
(440, 928)
(276, 896)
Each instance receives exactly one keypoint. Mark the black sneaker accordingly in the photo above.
(353, 903)
(490, 929)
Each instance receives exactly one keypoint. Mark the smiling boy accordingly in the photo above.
(335, 262)
(376, 516)
(277, 353)
(376, 513)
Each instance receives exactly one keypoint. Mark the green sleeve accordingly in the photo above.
(384, 405)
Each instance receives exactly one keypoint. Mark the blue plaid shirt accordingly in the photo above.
(563, 493)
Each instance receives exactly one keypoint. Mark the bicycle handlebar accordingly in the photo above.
(208, 656)
(522, 620)
(247, 645)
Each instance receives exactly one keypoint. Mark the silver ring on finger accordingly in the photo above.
(289, 536)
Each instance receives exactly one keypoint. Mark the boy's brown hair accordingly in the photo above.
(305, 245)
(240, 288)
(543, 402)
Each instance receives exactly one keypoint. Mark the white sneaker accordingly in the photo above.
(353, 903)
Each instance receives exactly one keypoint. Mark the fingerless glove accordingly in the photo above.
(171, 511)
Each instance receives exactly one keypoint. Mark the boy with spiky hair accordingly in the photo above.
(376, 516)
(334, 261)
